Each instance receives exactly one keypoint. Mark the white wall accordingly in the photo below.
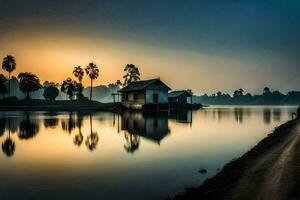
(162, 96)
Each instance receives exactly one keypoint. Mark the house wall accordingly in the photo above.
(162, 96)
(134, 103)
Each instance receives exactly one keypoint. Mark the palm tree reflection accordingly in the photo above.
(8, 146)
(92, 139)
(132, 142)
(78, 139)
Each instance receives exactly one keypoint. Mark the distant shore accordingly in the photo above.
(58, 105)
(270, 170)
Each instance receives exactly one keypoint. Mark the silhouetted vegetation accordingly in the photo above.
(132, 74)
(78, 73)
(8, 145)
(28, 83)
(132, 142)
(267, 97)
(68, 124)
(51, 92)
(93, 72)
(9, 65)
(78, 138)
(50, 122)
(3, 89)
(92, 139)
(69, 87)
(2, 126)
(27, 129)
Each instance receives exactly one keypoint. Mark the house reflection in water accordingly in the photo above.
(153, 127)
(181, 116)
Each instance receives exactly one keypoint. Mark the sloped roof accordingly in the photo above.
(178, 93)
(141, 85)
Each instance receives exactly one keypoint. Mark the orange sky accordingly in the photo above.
(52, 56)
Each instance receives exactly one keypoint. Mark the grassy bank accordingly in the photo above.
(270, 170)
(59, 105)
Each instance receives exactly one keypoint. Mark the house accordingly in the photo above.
(180, 97)
(145, 95)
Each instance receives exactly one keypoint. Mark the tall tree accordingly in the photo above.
(93, 72)
(132, 74)
(9, 65)
(28, 83)
(78, 73)
(3, 89)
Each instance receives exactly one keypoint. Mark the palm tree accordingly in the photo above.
(78, 73)
(132, 74)
(9, 65)
(28, 83)
(93, 72)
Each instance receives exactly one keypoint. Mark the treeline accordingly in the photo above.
(27, 85)
(239, 97)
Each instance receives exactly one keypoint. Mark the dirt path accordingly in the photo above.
(271, 170)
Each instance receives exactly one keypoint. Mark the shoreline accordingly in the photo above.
(270, 170)
(58, 105)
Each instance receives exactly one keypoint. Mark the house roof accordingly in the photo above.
(142, 85)
(176, 94)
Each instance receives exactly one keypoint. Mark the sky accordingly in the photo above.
(203, 45)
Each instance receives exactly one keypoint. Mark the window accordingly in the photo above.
(135, 96)
(155, 98)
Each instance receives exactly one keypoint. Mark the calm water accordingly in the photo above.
(129, 156)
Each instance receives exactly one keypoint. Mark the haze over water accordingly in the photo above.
(127, 156)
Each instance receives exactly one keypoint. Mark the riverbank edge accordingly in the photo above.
(218, 187)
(59, 105)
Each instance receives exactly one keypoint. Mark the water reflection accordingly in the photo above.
(151, 126)
(51, 120)
(8, 146)
(267, 115)
(239, 114)
(162, 151)
(28, 129)
(78, 138)
(134, 126)
(68, 124)
(93, 138)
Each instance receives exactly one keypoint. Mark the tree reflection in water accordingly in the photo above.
(2, 126)
(78, 138)
(68, 125)
(92, 139)
(50, 122)
(8, 146)
(27, 128)
(132, 142)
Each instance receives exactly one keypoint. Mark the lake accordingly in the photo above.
(99, 155)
